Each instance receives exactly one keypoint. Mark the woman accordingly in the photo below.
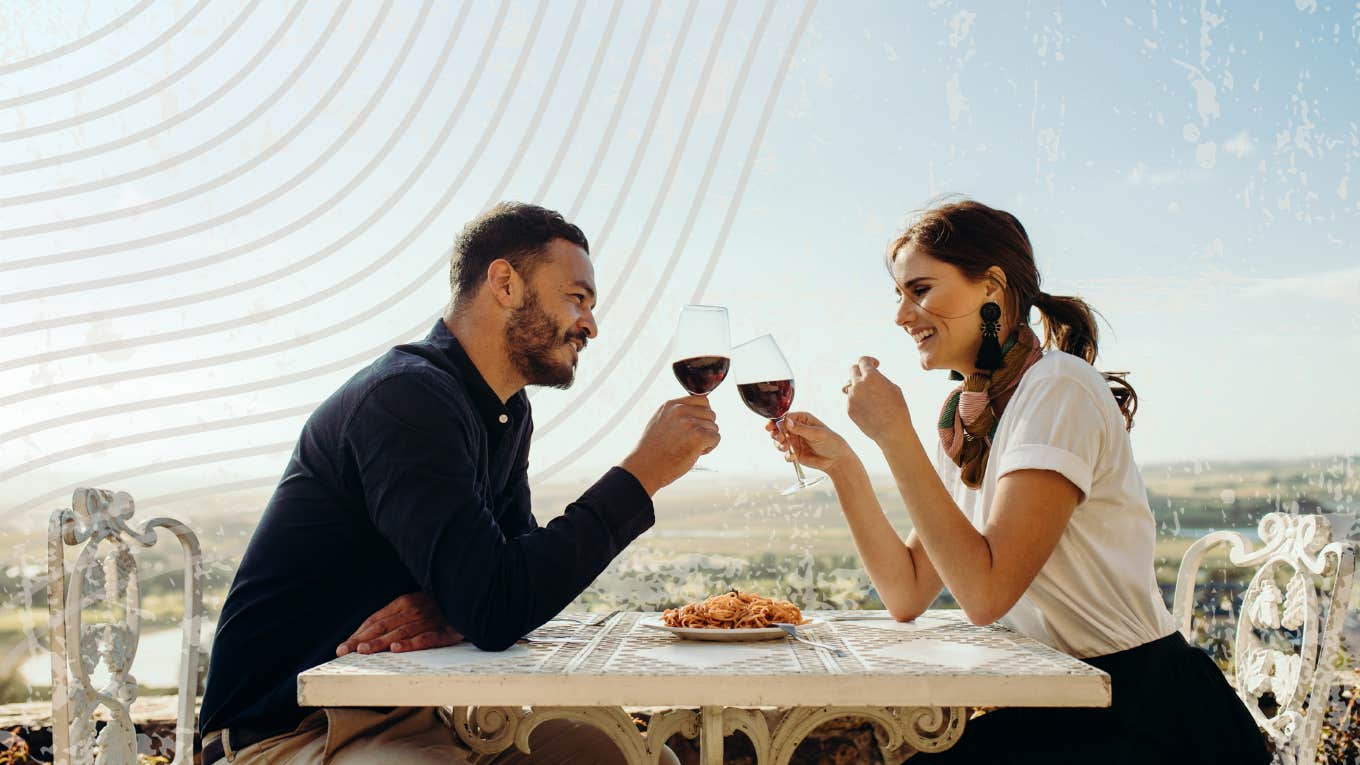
(1033, 512)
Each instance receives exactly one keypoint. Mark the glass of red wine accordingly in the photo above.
(765, 383)
(702, 352)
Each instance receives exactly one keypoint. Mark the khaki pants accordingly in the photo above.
(421, 736)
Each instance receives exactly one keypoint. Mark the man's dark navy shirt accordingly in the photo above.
(412, 476)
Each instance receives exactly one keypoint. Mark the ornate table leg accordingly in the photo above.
(490, 730)
(711, 735)
(924, 729)
(716, 723)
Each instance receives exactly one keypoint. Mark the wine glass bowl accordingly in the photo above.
(699, 375)
(770, 399)
(765, 383)
(701, 352)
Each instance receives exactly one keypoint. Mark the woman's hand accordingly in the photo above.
(811, 441)
(875, 403)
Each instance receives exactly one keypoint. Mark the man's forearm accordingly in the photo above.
(518, 584)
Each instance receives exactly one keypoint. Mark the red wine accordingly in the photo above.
(768, 399)
(701, 374)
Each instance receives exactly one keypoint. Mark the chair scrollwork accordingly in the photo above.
(1285, 644)
(98, 522)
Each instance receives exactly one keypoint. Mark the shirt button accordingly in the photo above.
(504, 418)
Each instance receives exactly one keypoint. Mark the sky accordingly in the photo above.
(211, 215)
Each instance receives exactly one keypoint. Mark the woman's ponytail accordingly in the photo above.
(1070, 326)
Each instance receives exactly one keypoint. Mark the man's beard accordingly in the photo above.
(533, 340)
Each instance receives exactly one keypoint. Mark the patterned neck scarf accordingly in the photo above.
(970, 415)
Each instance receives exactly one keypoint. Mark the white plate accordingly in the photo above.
(743, 635)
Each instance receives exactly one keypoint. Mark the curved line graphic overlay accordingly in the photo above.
(222, 90)
(740, 191)
(76, 45)
(277, 347)
(641, 150)
(537, 119)
(217, 488)
(619, 102)
(419, 228)
(240, 170)
(159, 466)
(252, 353)
(733, 101)
(242, 210)
(755, 144)
(278, 234)
(260, 351)
(606, 140)
(155, 435)
(411, 236)
(350, 320)
(145, 93)
(648, 131)
(203, 395)
(123, 63)
(621, 281)
(581, 103)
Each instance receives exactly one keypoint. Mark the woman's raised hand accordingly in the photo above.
(875, 403)
(814, 444)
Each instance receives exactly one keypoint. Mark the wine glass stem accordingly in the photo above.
(779, 424)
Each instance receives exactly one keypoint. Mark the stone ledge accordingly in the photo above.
(154, 710)
(154, 717)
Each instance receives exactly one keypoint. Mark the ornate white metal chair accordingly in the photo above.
(98, 520)
(1286, 641)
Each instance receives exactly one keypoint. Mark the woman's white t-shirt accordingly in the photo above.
(1097, 593)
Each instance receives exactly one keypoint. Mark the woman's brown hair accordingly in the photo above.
(973, 237)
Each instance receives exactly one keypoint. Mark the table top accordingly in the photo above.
(939, 659)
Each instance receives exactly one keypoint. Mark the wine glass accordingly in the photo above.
(765, 383)
(702, 352)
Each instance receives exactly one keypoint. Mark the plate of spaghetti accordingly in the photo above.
(731, 616)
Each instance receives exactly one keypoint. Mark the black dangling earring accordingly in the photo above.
(989, 355)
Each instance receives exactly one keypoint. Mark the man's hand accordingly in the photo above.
(412, 622)
(679, 433)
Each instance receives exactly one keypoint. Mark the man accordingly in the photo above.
(406, 501)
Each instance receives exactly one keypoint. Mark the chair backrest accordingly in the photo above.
(98, 520)
(1285, 645)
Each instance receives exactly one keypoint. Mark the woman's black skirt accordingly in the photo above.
(1170, 704)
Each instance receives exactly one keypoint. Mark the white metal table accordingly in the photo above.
(916, 681)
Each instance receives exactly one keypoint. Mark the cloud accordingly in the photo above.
(1206, 155)
(954, 98)
(1341, 285)
(1143, 176)
(1206, 95)
(1240, 145)
(1216, 284)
